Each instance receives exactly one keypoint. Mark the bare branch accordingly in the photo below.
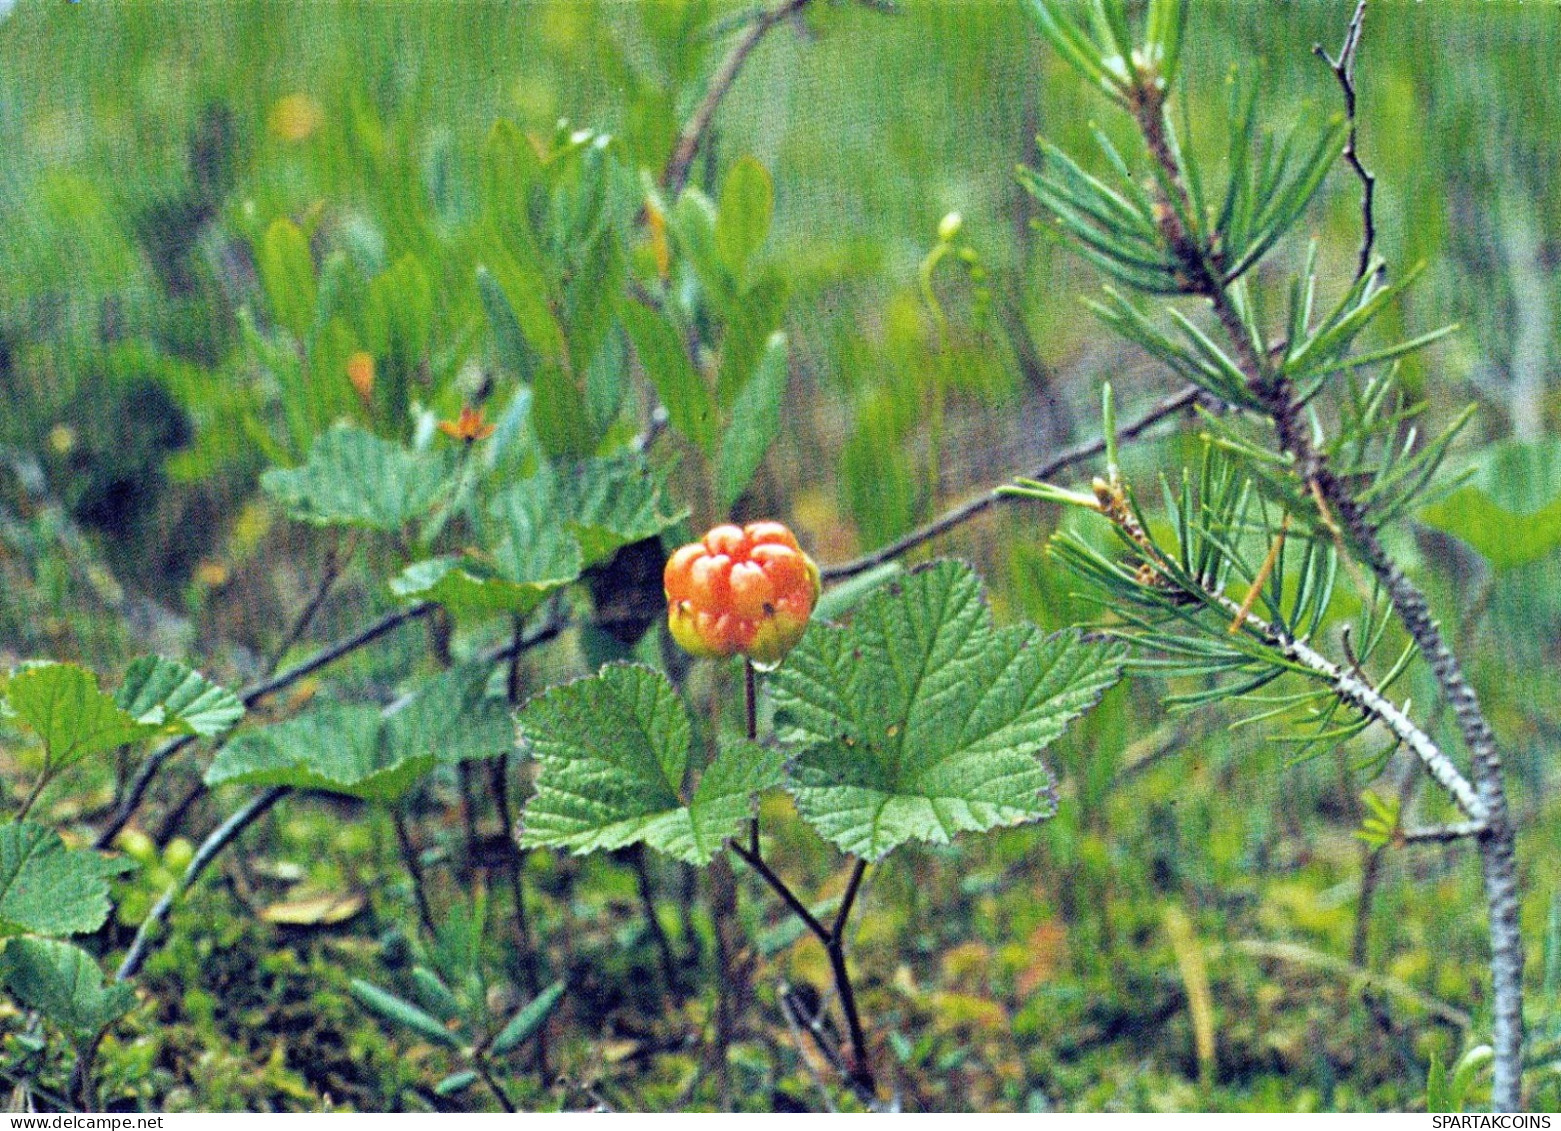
(1443, 834)
(956, 516)
(213, 845)
(675, 175)
(1343, 69)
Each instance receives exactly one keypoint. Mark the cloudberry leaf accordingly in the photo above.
(159, 690)
(613, 749)
(358, 750)
(543, 531)
(64, 706)
(48, 889)
(354, 478)
(921, 719)
(65, 984)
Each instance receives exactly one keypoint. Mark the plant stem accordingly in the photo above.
(675, 175)
(208, 851)
(964, 512)
(32, 797)
(859, 1076)
(425, 911)
(493, 1085)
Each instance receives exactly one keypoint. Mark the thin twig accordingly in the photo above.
(32, 797)
(675, 175)
(335, 563)
(1343, 69)
(788, 897)
(1169, 406)
(1305, 956)
(1443, 834)
(208, 851)
(414, 867)
(784, 993)
(493, 1086)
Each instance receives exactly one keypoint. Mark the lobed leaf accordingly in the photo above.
(354, 478)
(65, 984)
(63, 705)
(159, 691)
(921, 719)
(48, 889)
(613, 751)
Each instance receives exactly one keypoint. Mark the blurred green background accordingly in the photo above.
(147, 147)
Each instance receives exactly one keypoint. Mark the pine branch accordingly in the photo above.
(1274, 392)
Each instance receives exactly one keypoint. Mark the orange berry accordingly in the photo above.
(770, 533)
(727, 540)
(746, 591)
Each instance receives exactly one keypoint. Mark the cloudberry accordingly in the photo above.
(742, 590)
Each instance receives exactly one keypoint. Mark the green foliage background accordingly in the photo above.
(145, 156)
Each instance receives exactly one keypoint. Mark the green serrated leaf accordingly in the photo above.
(335, 747)
(532, 552)
(64, 983)
(610, 503)
(756, 420)
(63, 705)
(747, 206)
(528, 1020)
(48, 889)
(162, 692)
(453, 718)
(355, 478)
(613, 749)
(921, 719)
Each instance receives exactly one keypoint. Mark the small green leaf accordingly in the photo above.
(287, 273)
(357, 479)
(513, 351)
(64, 983)
(334, 747)
(528, 1020)
(921, 720)
(48, 889)
(747, 206)
(755, 316)
(692, 222)
(841, 598)
(455, 1082)
(756, 420)
(62, 704)
(689, 403)
(1510, 512)
(402, 1012)
(613, 749)
(165, 693)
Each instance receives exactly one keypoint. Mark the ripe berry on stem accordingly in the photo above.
(741, 590)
